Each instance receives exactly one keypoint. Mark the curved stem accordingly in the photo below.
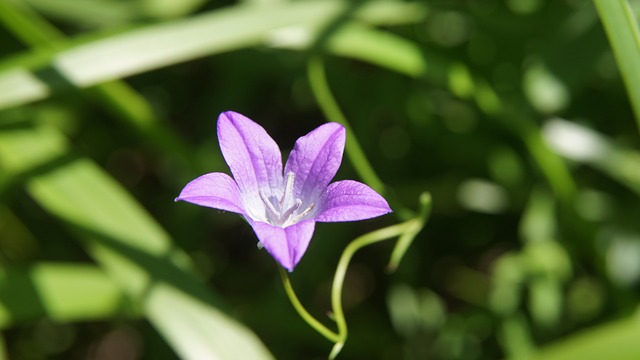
(304, 314)
(331, 111)
(406, 231)
(406, 239)
(343, 264)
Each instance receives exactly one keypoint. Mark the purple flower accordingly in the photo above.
(283, 207)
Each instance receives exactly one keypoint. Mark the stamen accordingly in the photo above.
(284, 211)
(269, 206)
(288, 190)
(285, 215)
(302, 214)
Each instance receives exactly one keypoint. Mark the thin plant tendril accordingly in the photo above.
(406, 231)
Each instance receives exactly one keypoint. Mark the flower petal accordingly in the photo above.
(252, 155)
(315, 159)
(286, 245)
(215, 190)
(350, 200)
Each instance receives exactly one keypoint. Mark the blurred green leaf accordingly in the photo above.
(114, 96)
(544, 91)
(155, 46)
(538, 222)
(127, 242)
(622, 29)
(113, 12)
(412, 311)
(88, 12)
(616, 340)
(545, 302)
(62, 292)
(584, 145)
(168, 8)
(378, 47)
(516, 337)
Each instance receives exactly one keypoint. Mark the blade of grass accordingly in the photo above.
(89, 62)
(88, 12)
(615, 340)
(132, 248)
(381, 48)
(160, 45)
(116, 97)
(168, 8)
(62, 292)
(624, 35)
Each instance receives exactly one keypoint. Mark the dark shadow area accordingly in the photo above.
(20, 297)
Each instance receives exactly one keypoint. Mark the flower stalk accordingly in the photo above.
(406, 231)
(304, 314)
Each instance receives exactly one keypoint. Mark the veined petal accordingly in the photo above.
(315, 159)
(252, 155)
(215, 190)
(286, 245)
(350, 200)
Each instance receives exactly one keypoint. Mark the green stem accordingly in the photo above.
(331, 110)
(308, 318)
(406, 231)
(343, 264)
(412, 226)
(406, 239)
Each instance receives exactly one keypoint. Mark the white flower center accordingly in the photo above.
(286, 210)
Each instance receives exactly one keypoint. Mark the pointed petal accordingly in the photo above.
(252, 155)
(286, 245)
(315, 159)
(215, 190)
(350, 200)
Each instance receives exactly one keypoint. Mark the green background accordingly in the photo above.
(519, 117)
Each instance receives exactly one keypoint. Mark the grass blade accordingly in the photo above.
(624, 35)
(62, 292)
(616, 340)
(155, 46)
(134, 251)
(115, 96)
